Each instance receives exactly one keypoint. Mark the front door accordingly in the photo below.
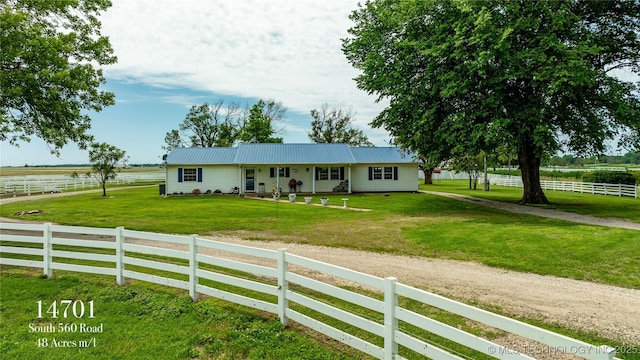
(250, 180)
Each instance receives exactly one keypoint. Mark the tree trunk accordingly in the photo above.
(428, 176)
(104, 189)
(529, 159)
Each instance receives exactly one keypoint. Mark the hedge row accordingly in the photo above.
(609, 177)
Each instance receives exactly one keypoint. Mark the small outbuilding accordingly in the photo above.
(301, 168)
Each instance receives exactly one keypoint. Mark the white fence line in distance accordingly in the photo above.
(581, 187)
(40, 184)
(278, 289)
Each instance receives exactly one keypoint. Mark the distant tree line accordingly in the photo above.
(631, 158)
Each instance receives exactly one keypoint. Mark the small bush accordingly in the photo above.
(609, 177)
(196, 192)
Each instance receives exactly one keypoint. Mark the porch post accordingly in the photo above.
(313, 180)
(349, 178)
(240, 179)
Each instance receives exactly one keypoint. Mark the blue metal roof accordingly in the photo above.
(257, 154)
(201, 156)
(379, 155)
(294, 154)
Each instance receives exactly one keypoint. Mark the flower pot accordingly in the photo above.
(324, 201)
(276, 197)
(307, 199)
(292, 197)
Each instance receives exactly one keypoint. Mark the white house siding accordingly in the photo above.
(214, 177)
(407, 178)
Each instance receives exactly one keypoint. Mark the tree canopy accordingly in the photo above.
(334, 125)
(465, 76)
(209, 125)
(261, 122)
(222, 125)
(49, 70)
(104, 160)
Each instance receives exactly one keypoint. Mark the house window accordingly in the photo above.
(189, 174)
(282, 172)
(377, 173)
(330, 173)
(388, 173)
(335, 173)
(383, 173)
(323, 173)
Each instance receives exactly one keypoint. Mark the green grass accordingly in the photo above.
(142, 321)
(626, 208)
(408, 224)
(147, 321)
(412, 224)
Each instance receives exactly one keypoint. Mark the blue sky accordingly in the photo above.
(175, 54)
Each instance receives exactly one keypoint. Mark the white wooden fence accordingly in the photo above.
(40, 184)
(125, 253)
(582, 187)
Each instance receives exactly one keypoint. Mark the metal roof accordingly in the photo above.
(294, 154)
(379, 155)
(195, 156)
(257, 154)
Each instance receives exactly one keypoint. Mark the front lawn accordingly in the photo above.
(400, 223)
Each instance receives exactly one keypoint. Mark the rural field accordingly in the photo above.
(62, 170)
(416, 225)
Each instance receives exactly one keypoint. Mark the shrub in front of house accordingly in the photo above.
(609, 177)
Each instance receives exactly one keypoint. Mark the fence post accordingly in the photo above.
(390, 320)
(283, 286)
(119, 255)
(193, 266)
(46, 247)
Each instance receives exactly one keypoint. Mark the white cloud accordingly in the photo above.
(289, 50)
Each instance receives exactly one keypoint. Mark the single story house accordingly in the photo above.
(309, 168)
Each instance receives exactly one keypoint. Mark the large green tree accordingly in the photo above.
(208, 125)
(260, 126)
(50, 70)
(334, 125)
(465, 76)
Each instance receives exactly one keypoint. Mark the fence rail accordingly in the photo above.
(581, 187)
(40, 184)
(196, 265)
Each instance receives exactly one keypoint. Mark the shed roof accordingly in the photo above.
(257, 154)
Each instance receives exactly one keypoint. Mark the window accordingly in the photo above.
(330, 173)
(189, 175)
(335, 173)
(323, 173)
(383, 173)
(388, 173)
(282, 172)
(377, 173)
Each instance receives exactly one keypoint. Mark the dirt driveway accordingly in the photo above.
(609, 311)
